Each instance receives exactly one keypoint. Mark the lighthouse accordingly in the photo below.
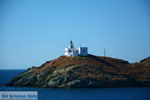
(71, 51)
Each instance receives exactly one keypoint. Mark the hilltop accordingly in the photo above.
(146, 61)
(81, 72)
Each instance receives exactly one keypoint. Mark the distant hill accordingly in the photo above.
(146, 61)
(85, 72)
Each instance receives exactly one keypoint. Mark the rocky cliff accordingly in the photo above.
(85, 72)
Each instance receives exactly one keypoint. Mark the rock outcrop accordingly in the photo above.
(85, 72)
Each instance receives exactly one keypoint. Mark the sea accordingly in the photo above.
(136, 93)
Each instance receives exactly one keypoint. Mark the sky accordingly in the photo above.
(35, 31)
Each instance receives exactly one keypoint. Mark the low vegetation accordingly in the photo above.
(80, 72)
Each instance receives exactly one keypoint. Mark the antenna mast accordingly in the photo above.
(104, 52)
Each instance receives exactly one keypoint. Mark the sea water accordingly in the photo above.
(77, 94)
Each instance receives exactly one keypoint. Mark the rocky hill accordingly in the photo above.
(82, 72)
(146, 61)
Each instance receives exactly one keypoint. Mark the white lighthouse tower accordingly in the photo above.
(70, 51)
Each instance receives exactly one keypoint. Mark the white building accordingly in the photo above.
(70, 51)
